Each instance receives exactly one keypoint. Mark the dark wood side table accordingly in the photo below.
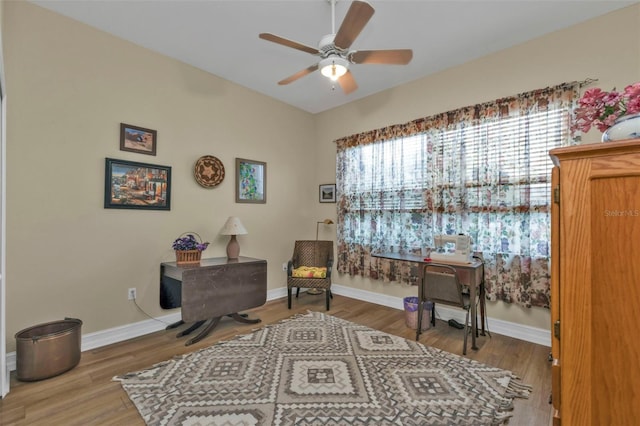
(211, 290)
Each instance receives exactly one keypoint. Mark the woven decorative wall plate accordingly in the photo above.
(208, 171)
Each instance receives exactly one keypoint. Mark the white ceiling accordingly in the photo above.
(221, 36)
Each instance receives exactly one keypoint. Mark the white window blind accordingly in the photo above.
(512, 152)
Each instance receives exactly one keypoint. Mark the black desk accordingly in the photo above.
(213, 289)
(470, 274)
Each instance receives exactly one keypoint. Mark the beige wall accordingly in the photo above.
(71, 86)
(607, 48)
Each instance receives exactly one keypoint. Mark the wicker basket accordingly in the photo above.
(188, 257)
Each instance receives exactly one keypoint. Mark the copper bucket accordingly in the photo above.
(47, 350)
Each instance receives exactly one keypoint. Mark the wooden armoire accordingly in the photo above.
(595, 284)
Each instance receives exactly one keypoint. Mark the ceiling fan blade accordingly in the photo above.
(357, 17)
(393, 57)
(298, 75)
(289, 43)
(347, 83)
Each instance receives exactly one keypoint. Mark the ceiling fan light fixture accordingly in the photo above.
(333, 67)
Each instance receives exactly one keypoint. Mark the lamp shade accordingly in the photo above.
(233, 226)
(333, 67)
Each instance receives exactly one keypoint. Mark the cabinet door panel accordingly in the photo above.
(615, 287)
(576, 314)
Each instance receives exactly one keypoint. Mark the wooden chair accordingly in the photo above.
(308, 254)
(441, 285)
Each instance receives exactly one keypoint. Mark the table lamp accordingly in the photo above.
(326, 222)
(233, 227)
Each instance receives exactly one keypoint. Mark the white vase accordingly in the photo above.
(625, 127)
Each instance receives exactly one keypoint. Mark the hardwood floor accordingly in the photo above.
(86, 395)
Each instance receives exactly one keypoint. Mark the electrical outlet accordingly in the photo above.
(132, 293)
(284, 266)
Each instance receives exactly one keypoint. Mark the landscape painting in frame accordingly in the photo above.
(132, 185)
(251, 181)
(328, 193)
(138, 139)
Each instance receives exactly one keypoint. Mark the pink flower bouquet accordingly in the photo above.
(602, 109)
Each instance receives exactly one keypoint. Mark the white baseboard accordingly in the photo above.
(114, 335)
(518, 331)
(130, 331)
(125, 332)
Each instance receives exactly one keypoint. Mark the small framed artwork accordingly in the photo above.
(138, 139)
(132, 185)
(251, 181)
(328, 193)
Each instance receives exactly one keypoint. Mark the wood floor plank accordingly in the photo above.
(87, 395)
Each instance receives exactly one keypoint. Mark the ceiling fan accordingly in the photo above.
(333, 49)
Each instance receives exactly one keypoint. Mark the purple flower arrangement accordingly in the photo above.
(601, 109)
(189, 242)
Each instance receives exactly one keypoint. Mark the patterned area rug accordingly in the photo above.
(315, 369)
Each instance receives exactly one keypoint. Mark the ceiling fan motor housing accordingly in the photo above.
(327, 48)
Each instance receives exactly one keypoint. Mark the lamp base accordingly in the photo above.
(314, 291)
(233, 248)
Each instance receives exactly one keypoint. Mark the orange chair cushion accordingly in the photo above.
(309, 272)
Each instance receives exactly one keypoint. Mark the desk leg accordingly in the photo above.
(483, 305)
(212, 324)
(474, 312)
(420, 300)
(190, 329)
(243, 318)
(174, 325)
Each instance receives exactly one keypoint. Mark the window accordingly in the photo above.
(482, 171)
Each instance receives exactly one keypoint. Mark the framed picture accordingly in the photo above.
(251, 181)
(138, 139)
(328, 193)
(131, 185)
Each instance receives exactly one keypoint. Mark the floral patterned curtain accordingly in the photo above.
(482, 170)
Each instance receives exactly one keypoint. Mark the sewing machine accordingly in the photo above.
(460, 253)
